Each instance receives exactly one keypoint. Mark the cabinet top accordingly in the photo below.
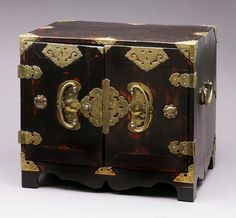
(94, 32)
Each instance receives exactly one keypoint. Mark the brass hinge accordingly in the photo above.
(185, 80)
(27, 165)
(29, 72)
(184, 147)
(25, 137)
(105, 171)
(186, 177)
(26, 40)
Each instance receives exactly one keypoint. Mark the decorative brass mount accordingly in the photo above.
(27, 165)
(68, 105)
(104, 107)
(170, 111)
(62, 55)
(186, 177)
(25, 137)
(185, 80)
(146, 58)
(184, 147)
(26, 40)
(29, 72)
(105, 171)
(141, 107)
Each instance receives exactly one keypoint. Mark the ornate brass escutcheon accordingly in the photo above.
(103, 107)
(141, 107)
(68, 104)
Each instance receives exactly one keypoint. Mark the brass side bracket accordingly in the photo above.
(186, 177)
(184, 147)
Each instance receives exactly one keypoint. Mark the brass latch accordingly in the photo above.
(104, 107)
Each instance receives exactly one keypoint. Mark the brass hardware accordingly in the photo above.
(204, 34)
(25, 137)
(141, 107)
(68, 105)
(146, 58)
(105, 171)
(170, 111)
(61, 54)
(186, 177)
(188, 49)
(206, 93)
(26, 40)
(185, 80)
(40, 102)
(106, 41)
(29, 72)
(184, 147)
(27, 165)
(104, 107)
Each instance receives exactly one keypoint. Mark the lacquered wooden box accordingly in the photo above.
(127, 104)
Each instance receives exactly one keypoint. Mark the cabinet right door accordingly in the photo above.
(157, 124)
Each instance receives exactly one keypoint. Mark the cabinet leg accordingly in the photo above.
(186, 192)
(30, 179)
(212, 161)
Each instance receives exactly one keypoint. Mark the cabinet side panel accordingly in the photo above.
(205, 114)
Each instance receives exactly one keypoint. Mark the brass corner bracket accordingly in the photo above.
(26, 40)
(27, 165)
(188, 49)
(184, 147)
(25, 137)
(107, 42)
(186, 177)
(105, 171)
(184, 80)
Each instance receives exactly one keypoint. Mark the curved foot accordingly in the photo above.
(30, 179)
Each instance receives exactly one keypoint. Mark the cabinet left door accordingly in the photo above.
(54, 78)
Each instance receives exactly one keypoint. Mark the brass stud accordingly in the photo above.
(170, 111)
(40, 102)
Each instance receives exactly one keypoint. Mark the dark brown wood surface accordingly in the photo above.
(60, 145)
(148, 150)
(85, 32)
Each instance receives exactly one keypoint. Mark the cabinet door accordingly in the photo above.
(50, 102)
(148, 149)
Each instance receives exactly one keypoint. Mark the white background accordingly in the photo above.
(216, 197)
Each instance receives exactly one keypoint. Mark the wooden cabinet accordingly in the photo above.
(131, 105)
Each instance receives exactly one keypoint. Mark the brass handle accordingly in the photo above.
(68, 104)
(206, 93)
(141, 107)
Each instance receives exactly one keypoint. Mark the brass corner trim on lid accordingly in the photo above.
(29, 72)
(183, 147)
(146, 58)
(105, 171)
(187, 177)
(183, 80)
(107, 42)
(26, 137)
(27, 165)
(26, 40)
(188, 49)
(62, 54)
